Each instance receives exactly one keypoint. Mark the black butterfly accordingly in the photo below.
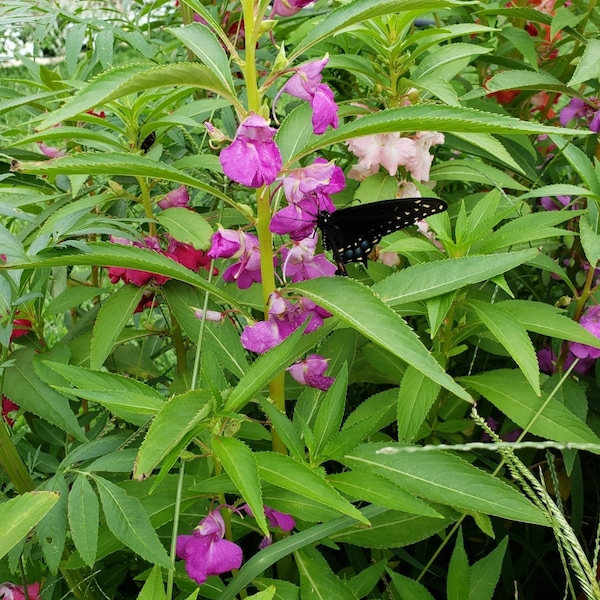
(351, 233)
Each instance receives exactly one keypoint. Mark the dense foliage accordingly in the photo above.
(197, 403)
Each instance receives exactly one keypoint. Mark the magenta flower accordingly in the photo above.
(284, 521)
(580, 109)
(284, 318)
(51, 151)
(226, 243)
(206, 552)
(547, 362)
(322, 176)
(11, 591)
(246, 271)
(178, 197)
(300, 262)
(549, 204)
(306, 85)
(324, 109)
(253, 158)
(590, 320)
(287, 8)
(310, 372)
(299, 219)
(229, 243)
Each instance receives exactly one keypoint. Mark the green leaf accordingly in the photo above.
(330, 411)
(221, 340)
(186, 226)
(417, 395)
(289, 474)
(379, 491)
(361, 309)
(477, 172)
(120, 461)
(457, 584)
(581, 162)
(153, 586)
(543, 416)
(238, 461)
(52, 529)
(130, 79)
(202, 42)
(557, 189)
(444, 478)
(527, 80)
(112, 318)
(446, 61)
(376, 412)
(20, 515)
(547, 320)
(590, 240)
(513, 336)
(408, 588)
(117, 163)
(294, 133)
(523, 42)
(361, 10)
(72, 297)
(587, 68)
(118, 392)
(396, 529)
(527, 230)
(83, 518)
(129, 523)
(74, 39)
(180, 415)
(440, 277)
(285, 429)
(11, 246)
(23, 386)
(485, 573)
(317, 580)
(491, 145)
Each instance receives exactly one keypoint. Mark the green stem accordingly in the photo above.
(178, 494)
(249, 66)
(12, 463)
(147, 204)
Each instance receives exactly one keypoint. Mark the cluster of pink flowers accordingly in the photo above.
(307, 191)
(253, 157)
(206, 552)
(392, 150)
(184, 254)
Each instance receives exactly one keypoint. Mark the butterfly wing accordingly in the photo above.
(351, 233)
